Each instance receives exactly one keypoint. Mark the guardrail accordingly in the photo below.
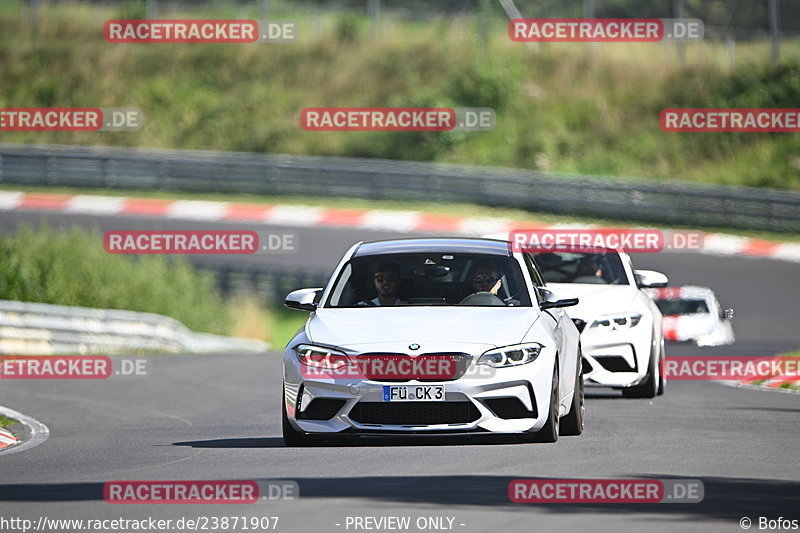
(271, 283)
(249, 173)
(42, 329)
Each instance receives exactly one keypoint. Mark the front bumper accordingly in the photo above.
(486, 399)
(616, 358)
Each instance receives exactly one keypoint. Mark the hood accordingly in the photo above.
(487, 326)
(596, 299)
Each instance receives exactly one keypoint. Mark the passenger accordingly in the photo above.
(486, 279)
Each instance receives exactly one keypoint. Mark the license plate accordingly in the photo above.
(413, 393)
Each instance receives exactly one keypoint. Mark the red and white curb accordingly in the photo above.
(367, 219)
(38, 433)
(770, 384)
(7, 439)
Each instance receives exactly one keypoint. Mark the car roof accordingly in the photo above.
(457, 245)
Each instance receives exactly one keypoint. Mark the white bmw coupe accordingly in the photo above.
(621, 327)
(433, 336)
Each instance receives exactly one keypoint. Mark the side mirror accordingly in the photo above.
(303, 299)
(726, 314)
(559, 298)
(650, 279)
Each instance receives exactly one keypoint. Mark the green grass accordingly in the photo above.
(284, 324)
(6, 421)
(562, 109)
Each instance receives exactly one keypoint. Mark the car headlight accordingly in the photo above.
(616, 322)
(520, 354)
(320, 357)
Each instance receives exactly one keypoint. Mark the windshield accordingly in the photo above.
(430, 279)
(682, 307)
(599, 268)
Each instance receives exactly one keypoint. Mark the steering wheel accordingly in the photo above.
(482, 299)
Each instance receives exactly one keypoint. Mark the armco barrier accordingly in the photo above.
(42, 329)
(271, 283)
(249, 173)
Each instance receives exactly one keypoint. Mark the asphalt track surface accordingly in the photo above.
(217, 417)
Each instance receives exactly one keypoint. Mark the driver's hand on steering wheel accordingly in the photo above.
(495, 288)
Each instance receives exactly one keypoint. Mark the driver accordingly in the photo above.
(386, 281)
(591, 266)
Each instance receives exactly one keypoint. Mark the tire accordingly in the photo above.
(291, 437)
(662, 374)
(649, 387)
(572, 424)
(549, 432)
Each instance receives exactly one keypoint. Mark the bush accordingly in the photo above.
(72, 268)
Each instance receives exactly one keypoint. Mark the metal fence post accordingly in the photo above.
(774, 31)
(730, 45)
(589, 13)
(152, 9)
(678, 14)
(374, 13)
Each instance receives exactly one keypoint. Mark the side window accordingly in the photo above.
(536, 276)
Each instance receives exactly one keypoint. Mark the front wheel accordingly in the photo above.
(549, 432)
(662, 374)
(572, 424)
(291, 437)
(649, 387)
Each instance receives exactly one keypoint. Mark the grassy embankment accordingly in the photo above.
(562, 109)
